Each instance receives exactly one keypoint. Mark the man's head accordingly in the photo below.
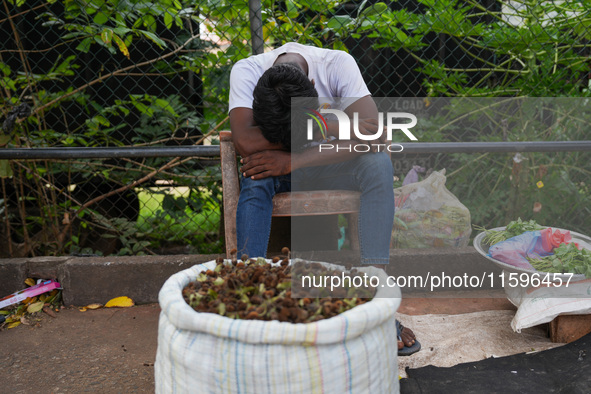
(272, 108)
(294, 58)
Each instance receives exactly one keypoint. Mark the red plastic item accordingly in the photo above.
(32, 291)
(531, 244)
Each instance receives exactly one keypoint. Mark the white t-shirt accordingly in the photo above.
(335, 74)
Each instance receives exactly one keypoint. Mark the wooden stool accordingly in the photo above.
(301, 203)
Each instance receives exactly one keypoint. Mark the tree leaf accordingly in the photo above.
(168, 19)
(30, 282)
(338, 22)
(84, 45)
(100, 18)
(5, 169)
(121, 45)
(154, 38)
(36, 307)
(292, 9)
(374, 9)
(106, 36)
(120, 302)
(14, 324)
(48, 311)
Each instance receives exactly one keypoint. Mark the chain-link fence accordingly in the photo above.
(136, 73)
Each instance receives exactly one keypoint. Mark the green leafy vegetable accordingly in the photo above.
(513, 229)
(566, 258)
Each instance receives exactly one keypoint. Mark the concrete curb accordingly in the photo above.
(87, 280)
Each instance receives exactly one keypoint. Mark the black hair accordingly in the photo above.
(272, 105)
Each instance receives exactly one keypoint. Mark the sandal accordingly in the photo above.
(406, 350)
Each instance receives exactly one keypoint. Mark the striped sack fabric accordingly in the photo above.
(354, 352)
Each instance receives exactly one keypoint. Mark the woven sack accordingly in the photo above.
(354, 352)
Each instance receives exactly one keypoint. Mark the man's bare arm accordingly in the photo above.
(247, 137)
(277, 162)
(267, 163)
(367, 112)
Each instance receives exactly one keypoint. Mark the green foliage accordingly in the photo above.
(52, 218)
(538, 50)
(527, 48)
(113, 24)
(174, 218)
(551, 188)
(132, 241)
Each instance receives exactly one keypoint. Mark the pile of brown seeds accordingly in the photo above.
(253, 289)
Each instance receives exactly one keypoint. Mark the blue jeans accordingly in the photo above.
(370, 173)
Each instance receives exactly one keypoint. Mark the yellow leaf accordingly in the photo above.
(82, 309)
(121, 45)
(30, 282)
(12, 325)
(94, 306)
(120, 302)
(36, 307)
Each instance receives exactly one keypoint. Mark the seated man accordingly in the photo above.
(261, 89)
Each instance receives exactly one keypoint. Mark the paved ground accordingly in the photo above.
(113, 350)
(100, 351)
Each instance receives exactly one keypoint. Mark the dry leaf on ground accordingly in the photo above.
(36, 307)
(119, 302)
(48, 311)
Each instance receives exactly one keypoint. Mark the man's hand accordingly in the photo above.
(370, 127)
(247, 137)
(266, 163)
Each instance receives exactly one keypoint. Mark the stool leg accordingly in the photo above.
(353, 220)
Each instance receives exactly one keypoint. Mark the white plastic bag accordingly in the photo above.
(428, 215)
(542, 304)
(355, 351)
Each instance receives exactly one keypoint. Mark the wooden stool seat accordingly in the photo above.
(318, 202)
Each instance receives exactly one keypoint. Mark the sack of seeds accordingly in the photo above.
(428, 215)
(355, 351)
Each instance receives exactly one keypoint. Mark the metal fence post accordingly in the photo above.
(256, 26)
